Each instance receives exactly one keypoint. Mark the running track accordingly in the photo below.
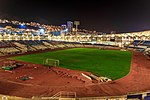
(136, 81)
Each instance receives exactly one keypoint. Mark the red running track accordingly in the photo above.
(49, 82)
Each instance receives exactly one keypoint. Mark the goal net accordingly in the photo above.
(51, 62)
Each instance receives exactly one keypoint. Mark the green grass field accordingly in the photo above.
(113, 64)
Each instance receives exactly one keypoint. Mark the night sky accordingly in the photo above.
(99, 15)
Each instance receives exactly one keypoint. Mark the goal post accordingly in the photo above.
(51, 62)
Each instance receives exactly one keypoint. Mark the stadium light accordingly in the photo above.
(76, 23)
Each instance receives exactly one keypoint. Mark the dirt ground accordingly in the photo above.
(47, 82)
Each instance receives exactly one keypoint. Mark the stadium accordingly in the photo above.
(56, 63)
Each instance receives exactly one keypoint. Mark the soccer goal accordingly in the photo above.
(51, 62)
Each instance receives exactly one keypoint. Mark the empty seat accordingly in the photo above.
(135, 96)
(147, 97)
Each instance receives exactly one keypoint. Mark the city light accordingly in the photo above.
(42, 31)
(22, 26)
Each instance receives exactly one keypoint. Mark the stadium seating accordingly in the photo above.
(136, 42)
(135, 96)
(140, 45)
(146, 43)
(147, 98)
(6, 47)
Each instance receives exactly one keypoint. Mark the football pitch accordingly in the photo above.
(113, 64)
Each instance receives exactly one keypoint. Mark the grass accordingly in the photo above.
(110, 63)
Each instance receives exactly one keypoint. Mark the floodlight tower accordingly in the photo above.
(76, 23)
